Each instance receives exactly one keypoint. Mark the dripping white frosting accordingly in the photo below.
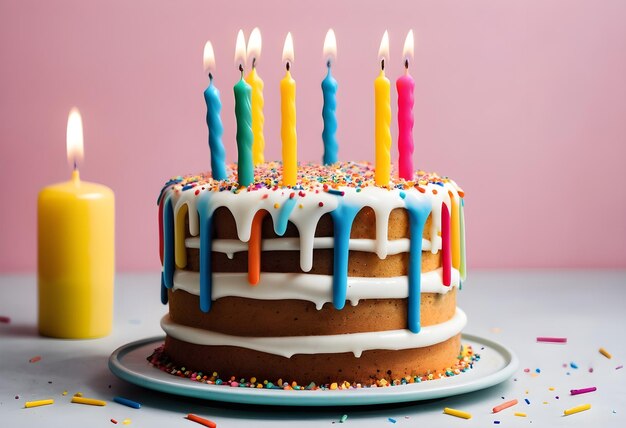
(310, 208)
(331, 344)
(313, 288)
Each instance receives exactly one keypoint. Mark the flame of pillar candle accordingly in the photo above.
(208, 58)
(330, 46)
(288, 56)
(254, 46)
(74, 137)
(240, 50)
(407, 52)
(383, 50)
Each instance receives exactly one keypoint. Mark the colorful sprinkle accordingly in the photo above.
(504, 406)
(457, 413)
(605, 353)
(343, 419)
(619, 367)
(38, 403)
(573, 365)
(311, 177)
(113, 421)
(5, 319)
(126, 422)
(582, 390)
(127, 402)
(35, 359)
(392, 420)
(577, 409)
(201, 421)
(88, 401)
(527, 400)
(552, 339)
(520, 414)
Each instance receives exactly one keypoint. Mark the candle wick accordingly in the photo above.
(288, 66)
(75, 166)
(210, 76)
(382, 64)
(253, 62)
(241, 68)
(328, 63)
(406, 63)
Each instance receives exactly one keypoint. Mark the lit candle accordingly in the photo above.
(213, 119)
(75, 240)
(288, 117)
(382, 100)
(406, 86)
(243, 114)
(255, 82)
(329, 90)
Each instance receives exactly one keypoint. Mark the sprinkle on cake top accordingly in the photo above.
(311, 177)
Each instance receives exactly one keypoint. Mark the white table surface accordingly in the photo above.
(513, 308)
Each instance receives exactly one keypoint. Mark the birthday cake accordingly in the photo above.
(332, 280)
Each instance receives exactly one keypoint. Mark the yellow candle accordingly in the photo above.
(254, 80)
(382, 100)
(288, 118)
(75, 222)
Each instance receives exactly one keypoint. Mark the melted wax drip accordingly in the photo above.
(418, 213)
(343, 217)
(206, 247)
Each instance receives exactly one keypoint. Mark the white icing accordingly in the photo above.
(331, 344)
(305, 216)
(232, 246)
(314, 288)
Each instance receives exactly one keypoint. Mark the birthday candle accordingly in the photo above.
(213, 119)
(288, 116)
(406, 86)
(243, 114)
(329, 90)
(256, 83)
(382, 101)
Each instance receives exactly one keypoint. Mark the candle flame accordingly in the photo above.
(209, 58)
(240, 50)
(383, 51)
(330, 46)
(74, 137)
(407, 52)
(254, 46)
(288, 53)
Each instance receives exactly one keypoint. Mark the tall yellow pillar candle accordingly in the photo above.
(382, 119)
(254, 80)
(288, 118)
(75, 222)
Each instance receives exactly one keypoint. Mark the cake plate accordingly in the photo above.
(497, 363)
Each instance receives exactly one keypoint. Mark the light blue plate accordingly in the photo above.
(497, 364)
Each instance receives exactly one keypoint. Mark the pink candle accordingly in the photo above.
(406, 86)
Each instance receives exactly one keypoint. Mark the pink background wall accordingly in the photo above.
(522, 102)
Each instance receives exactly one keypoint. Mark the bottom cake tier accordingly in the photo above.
(365, 357)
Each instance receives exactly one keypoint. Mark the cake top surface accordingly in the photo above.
(311, 177)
